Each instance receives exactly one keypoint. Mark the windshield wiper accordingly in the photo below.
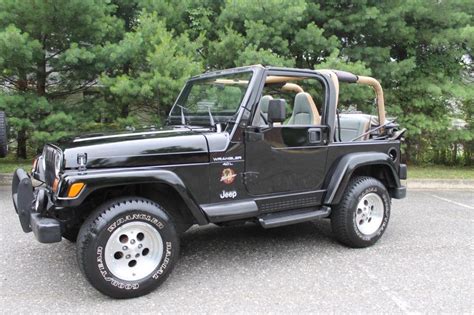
(217, 127)
(211, 119)
(183, 117)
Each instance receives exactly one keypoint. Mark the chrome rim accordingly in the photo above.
(133, 251)
(369, 214)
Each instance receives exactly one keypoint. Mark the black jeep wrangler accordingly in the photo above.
(260, 144)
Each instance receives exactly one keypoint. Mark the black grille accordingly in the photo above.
(50, 154)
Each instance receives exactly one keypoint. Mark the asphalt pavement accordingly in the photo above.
(423, 263)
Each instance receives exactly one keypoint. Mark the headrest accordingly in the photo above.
(302, 103)
(264, 101)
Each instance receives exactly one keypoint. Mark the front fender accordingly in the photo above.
(343, 170)
(103, 179)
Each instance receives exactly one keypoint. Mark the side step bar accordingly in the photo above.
(277, 219)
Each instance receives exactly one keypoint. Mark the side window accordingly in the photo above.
(304, 100)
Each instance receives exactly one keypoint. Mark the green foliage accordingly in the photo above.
(150, 67)
(223, 52)
(81, 65)
(17, 51)
(49, 51)
(10, 163)
(254, 55)
(430, 171)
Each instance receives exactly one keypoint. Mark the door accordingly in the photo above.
(285, 159)
(290, 157)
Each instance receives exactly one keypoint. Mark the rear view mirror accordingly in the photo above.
(277, 111)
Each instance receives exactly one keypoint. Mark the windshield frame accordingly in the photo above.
(232, 123)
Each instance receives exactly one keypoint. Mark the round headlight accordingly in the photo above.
(42, 163)
(43, 160)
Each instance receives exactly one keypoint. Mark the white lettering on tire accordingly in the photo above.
(166, 260)
(136, 216)
(103, 272)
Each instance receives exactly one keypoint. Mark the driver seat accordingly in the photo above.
(263, 106)
(304, 111)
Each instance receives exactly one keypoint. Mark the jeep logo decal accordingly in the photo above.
(228, 194)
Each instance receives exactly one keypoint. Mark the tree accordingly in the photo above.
(415, 49)
(49, 51)
(137, 54)
(158, 64)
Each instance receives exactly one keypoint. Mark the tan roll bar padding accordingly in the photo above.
(231, 82)
(270, 79)
(379, 92)
(362, 80)
(315, 112)
(281, 79)
(292, 87)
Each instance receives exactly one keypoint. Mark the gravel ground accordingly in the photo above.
(423, 263)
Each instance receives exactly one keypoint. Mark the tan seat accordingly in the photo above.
(355, 125)
(263, 105)
(263, 110)
(305, 111)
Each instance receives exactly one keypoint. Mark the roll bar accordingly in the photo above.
(347, 77)
(378, 92)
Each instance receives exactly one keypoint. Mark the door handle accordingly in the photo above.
(314, 135)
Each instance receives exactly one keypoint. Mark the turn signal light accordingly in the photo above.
(35, 163)
(55, 184)
(75, 190)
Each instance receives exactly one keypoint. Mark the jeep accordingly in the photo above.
(258, 144)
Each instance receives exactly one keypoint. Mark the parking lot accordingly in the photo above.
(423, 263)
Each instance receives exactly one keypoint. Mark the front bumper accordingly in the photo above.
(30, 204)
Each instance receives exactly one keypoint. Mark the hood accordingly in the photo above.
(139, 148)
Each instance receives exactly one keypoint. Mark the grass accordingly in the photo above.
(440, 172)
(10, 164)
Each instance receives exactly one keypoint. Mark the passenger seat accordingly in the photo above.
(304, 111)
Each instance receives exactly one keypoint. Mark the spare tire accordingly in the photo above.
(3, 135)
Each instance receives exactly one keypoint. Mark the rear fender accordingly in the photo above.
(344, 169)
(99, 180)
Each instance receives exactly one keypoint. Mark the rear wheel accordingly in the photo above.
(127, 247)
(362, 216)
(3, 135)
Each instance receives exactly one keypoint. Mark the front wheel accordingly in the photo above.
(362, 216)
(127, 247)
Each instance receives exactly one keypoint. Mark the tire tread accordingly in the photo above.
(340, 220)
(89, 229)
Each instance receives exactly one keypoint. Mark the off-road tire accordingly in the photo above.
(343, 216)
(112, 217)
(3, 135)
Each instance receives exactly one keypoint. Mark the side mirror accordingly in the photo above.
(277, 111)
